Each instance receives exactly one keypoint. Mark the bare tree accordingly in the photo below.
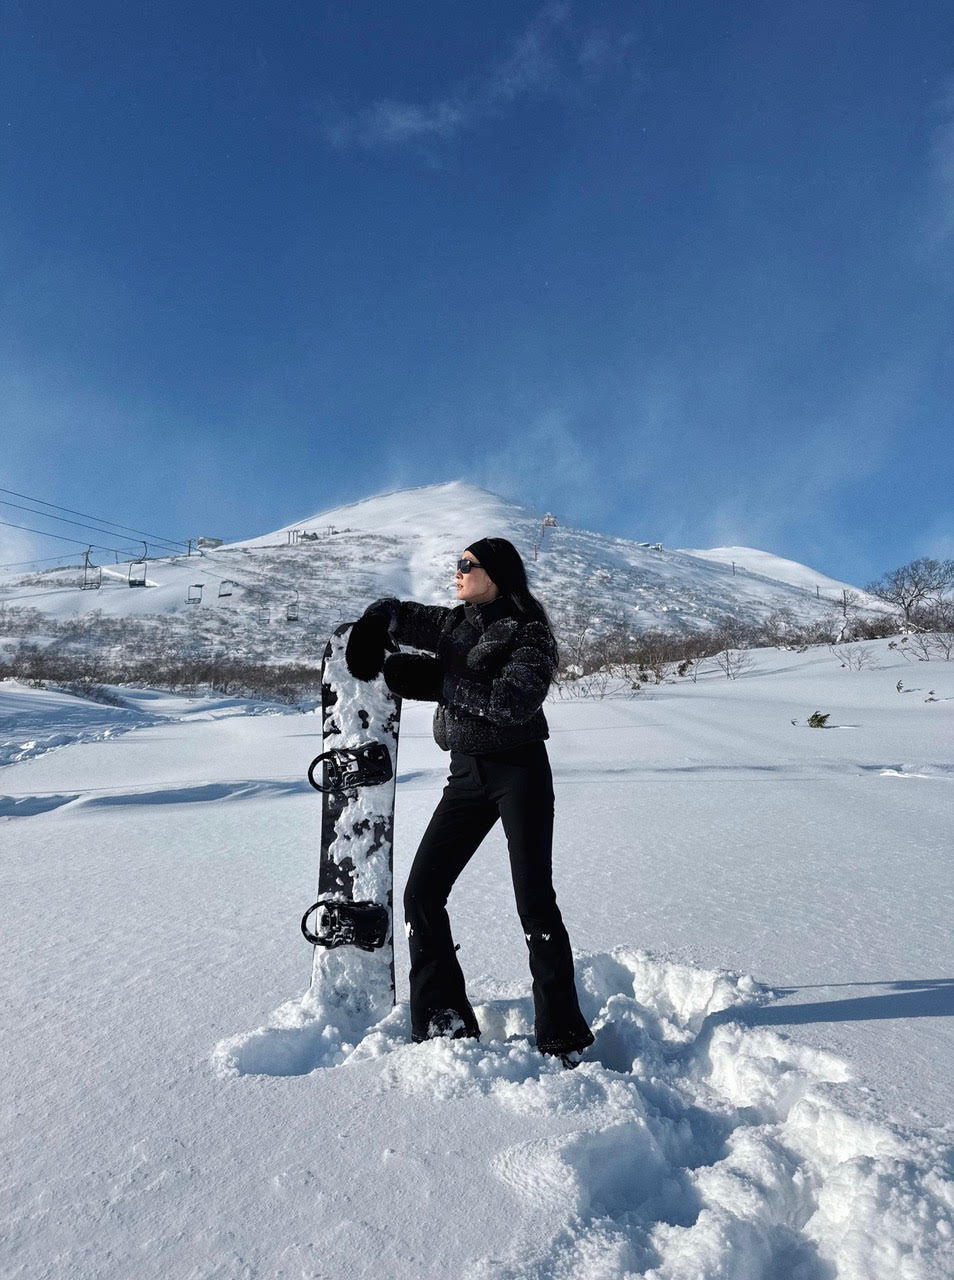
(613, 646)
(575, 633)
(850, 606)
(934, 637)
(914, 584)
(734, 662)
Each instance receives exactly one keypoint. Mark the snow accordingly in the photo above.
(406, 544)
(761, 913)
(767, 565)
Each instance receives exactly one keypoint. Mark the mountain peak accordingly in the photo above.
(455, 509)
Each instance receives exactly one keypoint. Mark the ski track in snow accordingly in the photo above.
(688, 1144)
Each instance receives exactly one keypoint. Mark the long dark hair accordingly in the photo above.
(506, 568)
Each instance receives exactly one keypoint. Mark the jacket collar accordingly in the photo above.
(482, 616)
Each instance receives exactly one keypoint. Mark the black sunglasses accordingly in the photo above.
(465, 565)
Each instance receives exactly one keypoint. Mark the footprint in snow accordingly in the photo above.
(700, 1147)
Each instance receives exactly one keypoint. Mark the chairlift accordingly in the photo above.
(195, 593)
(92, 573)
(225, 588)
(291, 613)
(264, 613)
(137, 570)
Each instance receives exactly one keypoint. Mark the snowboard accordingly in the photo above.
(351, 923)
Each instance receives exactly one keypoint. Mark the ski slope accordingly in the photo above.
(761, 914)
(237, 598)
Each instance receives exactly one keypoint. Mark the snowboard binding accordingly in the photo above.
(345, 769)
(354, 924)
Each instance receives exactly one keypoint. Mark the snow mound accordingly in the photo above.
(687, 1144)
(35, 721)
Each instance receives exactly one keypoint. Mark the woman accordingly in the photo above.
(494, 659)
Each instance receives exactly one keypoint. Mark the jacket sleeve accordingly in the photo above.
(519, 690)
(414, 675)
(410, 623)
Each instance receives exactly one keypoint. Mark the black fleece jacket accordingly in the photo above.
(490, 675)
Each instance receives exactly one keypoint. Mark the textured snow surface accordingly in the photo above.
(761, 913)
(686, 1144)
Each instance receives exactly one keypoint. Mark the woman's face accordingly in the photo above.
(475, 587)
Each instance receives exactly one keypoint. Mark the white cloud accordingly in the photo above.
(767, 482)
(545, 461)
(545, 58)
(387, 123)
(18, 549)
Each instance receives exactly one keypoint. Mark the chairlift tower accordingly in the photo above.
(549, 522)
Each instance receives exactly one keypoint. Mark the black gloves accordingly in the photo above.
(409, 675)
(414, 675)
(368, 642)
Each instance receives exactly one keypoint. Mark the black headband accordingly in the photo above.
(486, 556)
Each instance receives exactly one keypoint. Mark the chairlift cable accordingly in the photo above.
(59, 537)
(21, 564)
(40, 595)
(125, 552)
(153, 537)
(60, 519)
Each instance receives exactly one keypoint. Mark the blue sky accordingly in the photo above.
(676, 270)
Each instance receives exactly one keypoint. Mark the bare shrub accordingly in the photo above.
(923, 646)
(87, 673)
(854, 657)
(779, 627)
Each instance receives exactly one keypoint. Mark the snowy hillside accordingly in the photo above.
(773, 568)
(761, 913)
(271, 596)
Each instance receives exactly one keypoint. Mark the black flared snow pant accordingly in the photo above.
(517, 787)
